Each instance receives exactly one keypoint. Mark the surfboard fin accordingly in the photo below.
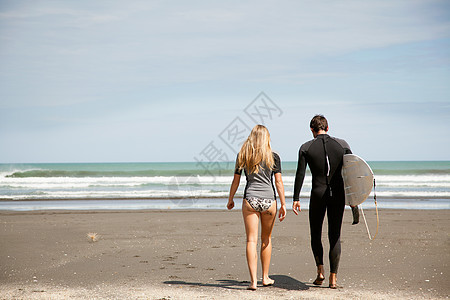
(355, 212)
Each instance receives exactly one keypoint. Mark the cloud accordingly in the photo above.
(67, 53)
(210, 29)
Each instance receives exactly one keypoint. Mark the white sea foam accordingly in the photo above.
(118, 194)
(388, 186)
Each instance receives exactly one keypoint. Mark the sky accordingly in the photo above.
(167, 81)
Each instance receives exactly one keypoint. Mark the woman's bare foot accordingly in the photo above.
(252, 287)
(267, 281)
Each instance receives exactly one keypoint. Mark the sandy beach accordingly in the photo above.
(201, 255)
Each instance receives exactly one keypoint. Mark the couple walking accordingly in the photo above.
(324, 156)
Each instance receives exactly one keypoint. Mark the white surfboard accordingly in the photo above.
(358, 179)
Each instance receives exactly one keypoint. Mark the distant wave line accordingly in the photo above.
(52, 173)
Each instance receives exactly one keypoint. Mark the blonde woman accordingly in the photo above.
(260, 165)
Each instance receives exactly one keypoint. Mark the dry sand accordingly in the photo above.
(201, 255)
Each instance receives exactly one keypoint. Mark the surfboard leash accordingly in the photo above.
(376, 206)
(376, 210)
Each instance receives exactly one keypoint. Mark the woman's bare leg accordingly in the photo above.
(251, 221)
(267, 222)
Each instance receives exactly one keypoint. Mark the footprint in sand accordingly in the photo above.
(170, 258)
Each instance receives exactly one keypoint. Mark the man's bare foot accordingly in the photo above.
(333, 279)
(319, 279)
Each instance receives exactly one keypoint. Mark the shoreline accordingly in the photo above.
(208, 204)
(181, 254)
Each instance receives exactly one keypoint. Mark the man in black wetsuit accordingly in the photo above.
(324, 156)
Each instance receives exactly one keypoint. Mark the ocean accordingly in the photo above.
(189, 185)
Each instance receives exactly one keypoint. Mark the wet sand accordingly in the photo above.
(201, 255)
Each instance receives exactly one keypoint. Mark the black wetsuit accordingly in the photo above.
(324, 156)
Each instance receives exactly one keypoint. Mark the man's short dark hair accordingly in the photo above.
(319, 122)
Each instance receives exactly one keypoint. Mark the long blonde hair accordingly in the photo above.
(256, 151)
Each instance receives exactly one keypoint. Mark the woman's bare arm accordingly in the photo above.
(280, 189)
(233, 189)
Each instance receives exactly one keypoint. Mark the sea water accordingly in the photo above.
(188, 185)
